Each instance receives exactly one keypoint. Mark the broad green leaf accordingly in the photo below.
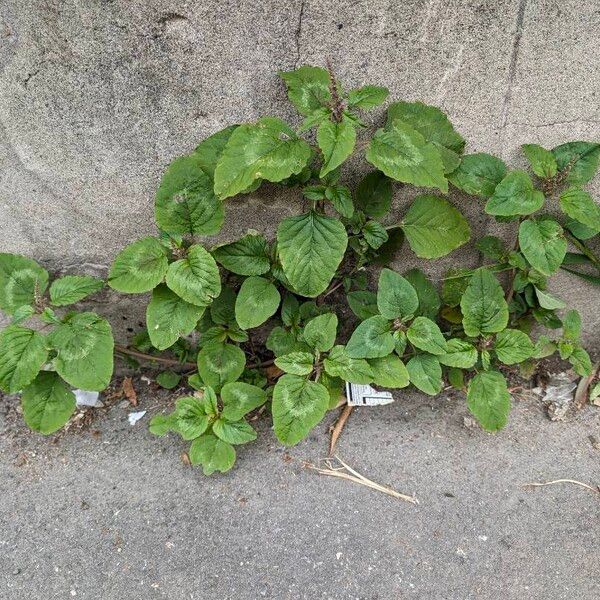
(543, 244)
(428, 297)
(298, 405)
(296, 363)
(268, 149)
(425, 373)
(367, 97)
(73, 288)
(185, 201)
(386, 253)
(489, 400)
(23, 353)
(341, 198)
(374, 194)
(371, 339)
(139, 267)
(47, 403)
(257, 300)
(400, 342)
(403, 154)
(208, 151)
(548, 301)
(363, 304)
(389, 371)
(168, 317)
(247, 256)
(320, 332)
(335, 388)
(513, 346)
(212, 453)
(195, 278)
(424, 334)
(168, 380)
(193, 416)
(456, 378)
(336, 141)
(339, 364)
(579, 160)
(84, 351)
(308, 88)
(375, 234)
(20, 279)
(290, 310)
(459, 354)
(478, 174)
(434, 227)
(515, 195)
(311, 247)
(434, 126)
(219, 364)
(572, 325)
(240, 398)
(238, 432)
(579, 230)
(282, 341)
(579, 205)
(581, 361)
(483, 305)
(542, 161)
(315, 118)
(396, 297)
(161, 424)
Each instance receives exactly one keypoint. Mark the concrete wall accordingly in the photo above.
(98, 96)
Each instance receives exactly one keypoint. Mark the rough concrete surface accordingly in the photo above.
(113, 513)
(98, 96)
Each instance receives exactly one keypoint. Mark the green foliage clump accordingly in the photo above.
(408, 332)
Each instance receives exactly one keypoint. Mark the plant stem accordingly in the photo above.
(174, 362)
(585, 250)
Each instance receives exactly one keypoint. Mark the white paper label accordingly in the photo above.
(365, 395)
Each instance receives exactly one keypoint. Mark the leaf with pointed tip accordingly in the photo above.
(367, 97)
(237, 432)
(375, 234)
(478, 174)
(20, 280)
(336, 141)
(424, 334)
(389, 371)
(513, 346)
(515, 195)
(84, 351)
(311, 247)
(548, 301)
(396, 297)
(298, 405)
(308, 88)
(247, 256)
(257, 300)
(459, 353)
(185, 201)
(543, 244)
(489, 400)
(268, 149)
(371, 339)
(195, 278)
(240, 398)
(169, 317)
(579, 205)
(483, 306)
(427, 294)
(425, 373)
(320, 332)
(434, 227)
(139, 267)
(402, 153)
(296, 363)
(212, 453)
(23, 353)
(73, 288)
(47, 403)
(579, 160)
(542, 161)
(219, 364)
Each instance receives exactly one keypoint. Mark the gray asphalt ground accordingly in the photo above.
(112, 512)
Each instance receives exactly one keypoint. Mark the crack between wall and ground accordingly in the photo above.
(512, 69)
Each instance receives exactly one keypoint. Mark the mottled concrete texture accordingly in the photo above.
(98, 96)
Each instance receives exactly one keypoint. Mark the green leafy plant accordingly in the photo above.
(231, 309)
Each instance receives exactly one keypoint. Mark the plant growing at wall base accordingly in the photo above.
(212, 304)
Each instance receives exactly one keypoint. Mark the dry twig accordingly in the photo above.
(349, 474)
